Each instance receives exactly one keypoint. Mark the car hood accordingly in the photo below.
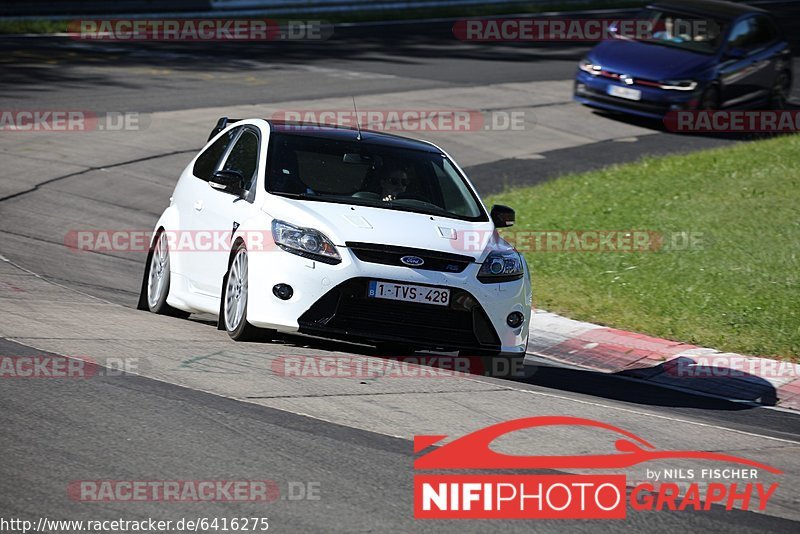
(649, 61)
(344, 223)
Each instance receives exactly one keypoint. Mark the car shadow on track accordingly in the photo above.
(745, 391)
(670, 384)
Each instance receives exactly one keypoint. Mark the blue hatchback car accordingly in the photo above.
(698, 54)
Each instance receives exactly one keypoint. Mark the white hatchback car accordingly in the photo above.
(338, 233)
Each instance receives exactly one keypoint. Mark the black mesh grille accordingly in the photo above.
(347, 311)
(391, 255)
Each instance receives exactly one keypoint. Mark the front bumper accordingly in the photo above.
(346, 311)
(655, 103)
(330, 301)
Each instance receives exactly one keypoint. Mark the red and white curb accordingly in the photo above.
(670, 363)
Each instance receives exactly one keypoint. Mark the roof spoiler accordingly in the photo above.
(222, 123)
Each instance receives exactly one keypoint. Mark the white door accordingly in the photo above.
(222, 211)
(190, 206)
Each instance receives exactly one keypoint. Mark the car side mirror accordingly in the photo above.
(503, 216)
(229, 181)
(735, 52)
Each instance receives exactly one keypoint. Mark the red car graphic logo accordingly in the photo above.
(473, 451)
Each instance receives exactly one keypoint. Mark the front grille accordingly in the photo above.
(391, 255)
(347, 311)
(636, 81)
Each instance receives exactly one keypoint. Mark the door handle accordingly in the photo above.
(198, 206)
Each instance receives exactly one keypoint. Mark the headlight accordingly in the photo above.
(502, 267)
(587, 66)
(679, 85)
(305, 242)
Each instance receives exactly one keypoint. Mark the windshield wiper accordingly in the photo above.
(290, 195)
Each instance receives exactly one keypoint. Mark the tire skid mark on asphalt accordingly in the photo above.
(61, 244)
(49, 281)
(91, 169)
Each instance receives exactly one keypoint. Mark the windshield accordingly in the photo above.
(357, 172)
(688, 32)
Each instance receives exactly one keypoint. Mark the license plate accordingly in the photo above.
(409, 293)
(624, 92)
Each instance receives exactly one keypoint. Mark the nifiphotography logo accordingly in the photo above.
(568, 496)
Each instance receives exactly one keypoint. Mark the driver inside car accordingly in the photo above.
(393, 183)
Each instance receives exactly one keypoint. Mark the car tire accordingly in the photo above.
(233, 309)
(155, 287)
(780, 91)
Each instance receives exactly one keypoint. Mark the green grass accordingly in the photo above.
(739, 292)
(15, 27)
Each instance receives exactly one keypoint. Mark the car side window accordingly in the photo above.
(207, 162)
(752, 33)
(453, 192)
(741, 34)
(244, 157)
(763, 32)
